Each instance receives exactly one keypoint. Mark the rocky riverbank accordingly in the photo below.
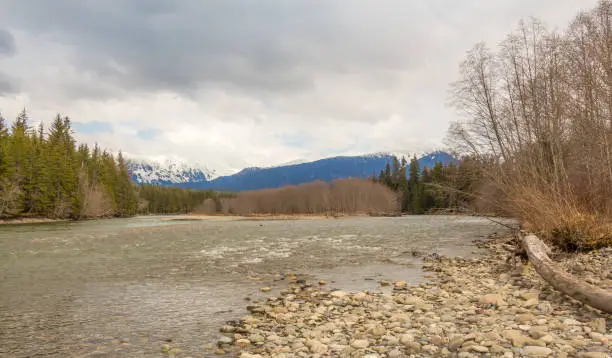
(488, 306)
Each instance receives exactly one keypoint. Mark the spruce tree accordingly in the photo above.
(39, 197)
(126, 196)
(4, 138)
(19, 153)
(64, 185)
(415, 187)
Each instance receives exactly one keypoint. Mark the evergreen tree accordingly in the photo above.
(4, 137)
(415, 187)
(63, 181)
(387, 176)
(19, 155)
(127, 201)
(395, 174)
(48, 175)
(39, 197)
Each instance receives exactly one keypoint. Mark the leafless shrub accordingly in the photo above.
(340, 196)
(539, 112)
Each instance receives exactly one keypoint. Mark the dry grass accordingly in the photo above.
(559, 220)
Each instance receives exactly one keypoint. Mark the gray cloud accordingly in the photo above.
(7, 85)
(266, 46)
(330, 71)
(247, 45)
(7, 43)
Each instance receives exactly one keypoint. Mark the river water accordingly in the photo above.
(124, 287)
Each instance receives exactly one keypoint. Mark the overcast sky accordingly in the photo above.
(234, 83)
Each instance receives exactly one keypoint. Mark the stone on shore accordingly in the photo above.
(536, 351)
(477, 307)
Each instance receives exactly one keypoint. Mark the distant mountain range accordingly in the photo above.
(328, 169)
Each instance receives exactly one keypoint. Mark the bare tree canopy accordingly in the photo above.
(538, 110)
(340, 196)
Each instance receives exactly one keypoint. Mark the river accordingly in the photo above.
(124, 287)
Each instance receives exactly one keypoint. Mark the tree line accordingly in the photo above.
(538, 116)
(155, 199)
(434, 189)
(44, 173)
(342, 196)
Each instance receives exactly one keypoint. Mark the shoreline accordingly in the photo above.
(486, 306)
(223, 217)
(25, 220)
(189, 217)
(258, 217)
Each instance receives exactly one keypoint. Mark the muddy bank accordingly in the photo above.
(489, 306)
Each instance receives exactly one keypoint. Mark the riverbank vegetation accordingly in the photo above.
(428, 190)
(45, 174)
(538, 117)
(343, 196)
(155, 199)
(401, 187)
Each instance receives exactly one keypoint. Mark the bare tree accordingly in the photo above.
(341, 196)
(538, 112)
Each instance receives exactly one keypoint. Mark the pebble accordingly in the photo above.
(593, 355)
(525, 318)
(228, 329)
(395, 353)
(222, 340)
(466, 310)
(536, 351)
(248, 355)
(532, 302)
(598, 325)
(492, 299)
(242, 342)
(400, 284)
(480, 349)
(571, 322)
(317, 347)
(360, 343)
(406, 339)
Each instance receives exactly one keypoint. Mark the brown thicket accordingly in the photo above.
(341, 196)
(539, 113)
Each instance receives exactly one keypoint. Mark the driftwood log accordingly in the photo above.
(538, 252)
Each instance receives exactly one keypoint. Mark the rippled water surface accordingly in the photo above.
(124, 287)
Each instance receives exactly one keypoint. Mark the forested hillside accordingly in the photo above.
(44, 173)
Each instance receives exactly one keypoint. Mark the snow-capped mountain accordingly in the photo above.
(293, 162)
(168, 172)
(173, 173)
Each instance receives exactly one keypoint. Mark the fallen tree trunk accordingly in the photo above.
(537, 251)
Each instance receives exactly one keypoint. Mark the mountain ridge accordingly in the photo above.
(292, 173)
